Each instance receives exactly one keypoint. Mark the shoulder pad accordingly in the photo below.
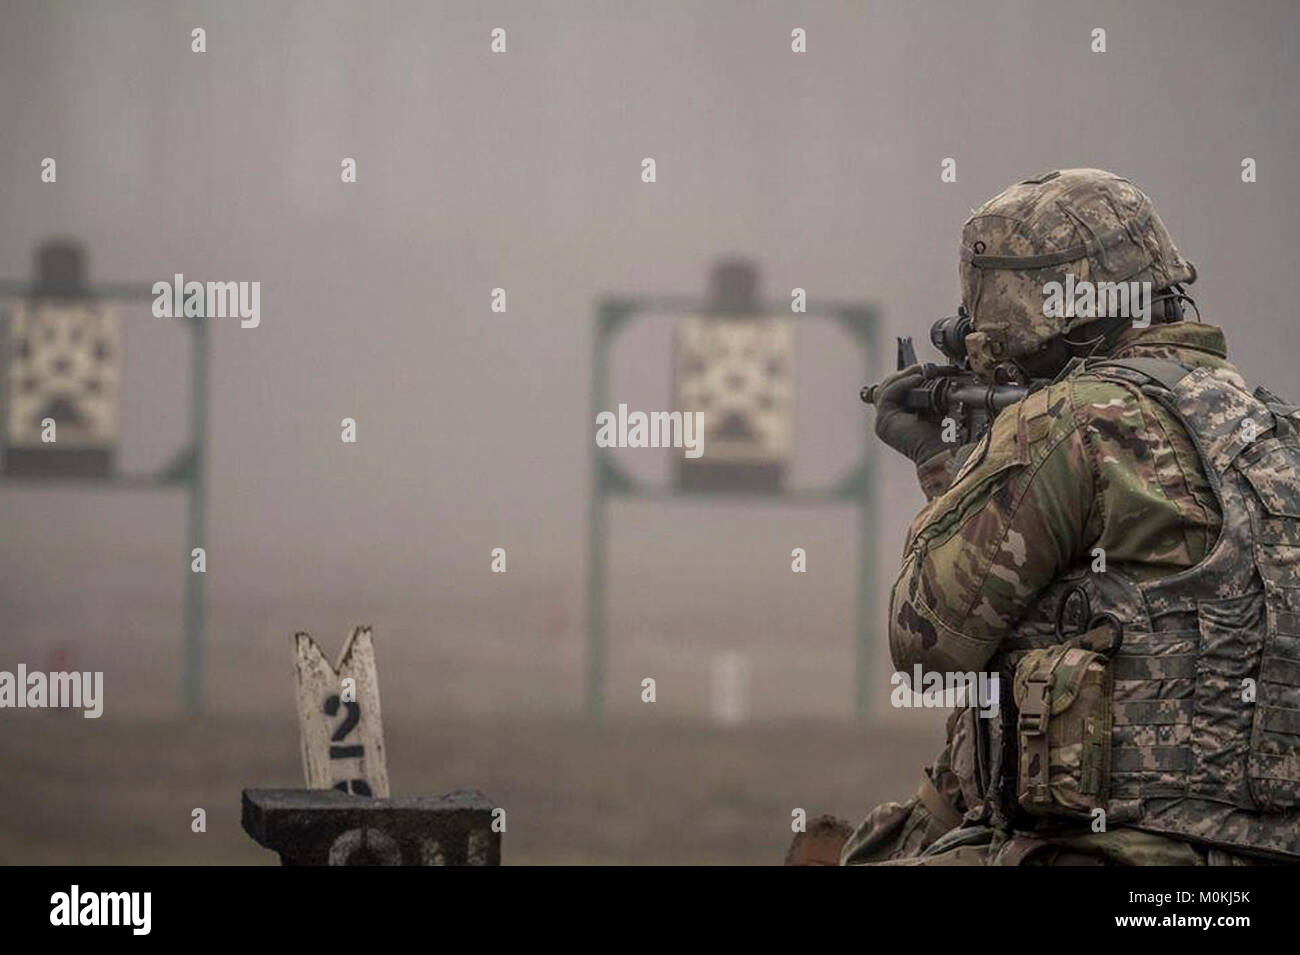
(1037, 414)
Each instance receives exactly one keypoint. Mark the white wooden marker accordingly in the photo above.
(339, 718)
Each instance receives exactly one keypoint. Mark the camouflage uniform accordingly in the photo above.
(1145, 460)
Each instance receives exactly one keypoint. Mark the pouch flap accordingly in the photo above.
(1067, 666)
(1275, 476)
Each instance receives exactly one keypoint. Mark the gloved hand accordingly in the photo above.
(901, 428)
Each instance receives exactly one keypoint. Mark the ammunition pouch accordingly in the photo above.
(1063, 697)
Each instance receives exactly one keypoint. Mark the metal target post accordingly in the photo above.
(60, 283)
(733, 295)
(196, 517)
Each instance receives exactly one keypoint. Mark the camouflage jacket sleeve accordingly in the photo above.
(935, 474)
(1017, 513)
(1081, 464)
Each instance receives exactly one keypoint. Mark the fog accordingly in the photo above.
(522, 171)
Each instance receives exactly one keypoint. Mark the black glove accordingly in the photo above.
(901, 428)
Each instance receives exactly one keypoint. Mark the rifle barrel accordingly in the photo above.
(999, 396)
(995, 396)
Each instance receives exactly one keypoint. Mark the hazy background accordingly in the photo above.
(522, 171)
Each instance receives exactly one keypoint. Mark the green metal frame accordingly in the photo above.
(609, 480)
(187, 468)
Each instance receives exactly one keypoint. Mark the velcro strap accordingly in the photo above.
(1279, 719)
(1280, 670)
(1032, 725)
(1034, 707)
(1277, 766)
(1160, 370)
(1152, 712)
(1150, 759)
(1288, 624)
(1174, 666)
(934, 801)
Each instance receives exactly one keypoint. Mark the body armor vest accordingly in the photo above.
(1205, 713)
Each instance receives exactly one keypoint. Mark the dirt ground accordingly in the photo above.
(107, 791)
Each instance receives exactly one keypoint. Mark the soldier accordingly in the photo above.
(1122, 547)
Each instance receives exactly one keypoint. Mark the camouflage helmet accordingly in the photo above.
(1088, 223)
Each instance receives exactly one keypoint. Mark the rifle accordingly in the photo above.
(952, 390)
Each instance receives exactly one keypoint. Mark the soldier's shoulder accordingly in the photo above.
(1050, 400)
(1046, 415)
(1099, 392)
(1024, 433)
